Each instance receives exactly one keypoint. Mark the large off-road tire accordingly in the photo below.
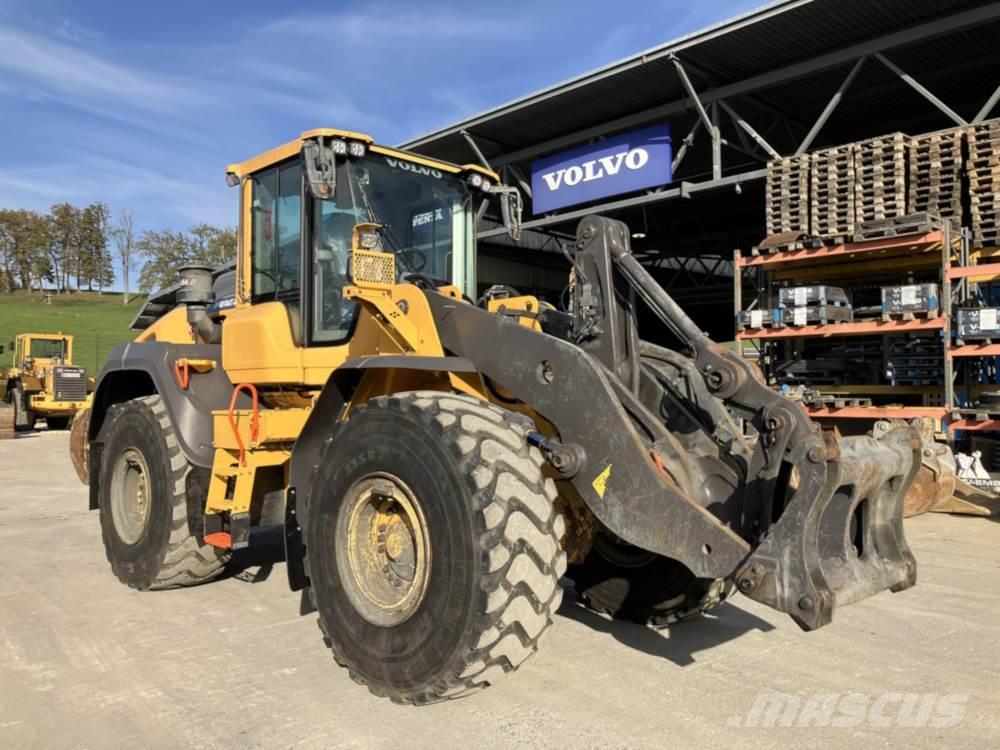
(57, 423)
(481, 545)
(147, 533)
(631, 584)
(24, 418)
(79, 445)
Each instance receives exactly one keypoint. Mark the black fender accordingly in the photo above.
(320, 426)
(141, 369)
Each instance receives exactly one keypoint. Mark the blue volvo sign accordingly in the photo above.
(630, 161)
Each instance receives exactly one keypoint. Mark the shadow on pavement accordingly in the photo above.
(677, 643)
(267, 548)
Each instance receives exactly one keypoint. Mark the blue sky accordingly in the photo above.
(142, 105)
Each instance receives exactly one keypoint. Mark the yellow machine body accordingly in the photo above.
(37, 357)
(262, 349)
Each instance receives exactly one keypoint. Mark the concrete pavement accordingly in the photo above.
(88, 663)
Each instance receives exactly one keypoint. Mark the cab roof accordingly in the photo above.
(45, 336)
(291, 148)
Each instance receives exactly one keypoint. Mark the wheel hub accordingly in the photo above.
(130, 495)
(383, 549)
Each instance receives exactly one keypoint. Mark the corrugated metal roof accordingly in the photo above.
(772, 37)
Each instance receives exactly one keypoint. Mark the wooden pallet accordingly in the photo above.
(896, 226)
(984, 183)
(881, 167)
(912, 315)
(823, 401)
(935, 175)
(832, 191)
(787, 195)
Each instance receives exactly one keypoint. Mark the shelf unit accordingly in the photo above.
(963, 280)
(931, 253)
(945, 251)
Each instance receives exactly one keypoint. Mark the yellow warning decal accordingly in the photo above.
(601, 481)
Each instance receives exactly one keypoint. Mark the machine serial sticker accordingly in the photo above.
(601, 482)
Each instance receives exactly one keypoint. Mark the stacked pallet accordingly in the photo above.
(936, 176)
(832, 208)
(788, 195)
(881, 170)
(984, 183)
(914, 360)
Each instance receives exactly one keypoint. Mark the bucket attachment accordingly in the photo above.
(840, 537)
(937, 487)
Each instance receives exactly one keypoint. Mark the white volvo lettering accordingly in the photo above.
(595, 169)
(407, 166)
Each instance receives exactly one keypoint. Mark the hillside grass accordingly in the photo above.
(97, 322)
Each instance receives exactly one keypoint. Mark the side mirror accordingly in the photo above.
(511, 208)
(321, 166)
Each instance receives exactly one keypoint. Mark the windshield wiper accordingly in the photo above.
(394, 243)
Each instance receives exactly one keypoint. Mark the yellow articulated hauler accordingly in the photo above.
(439, 462)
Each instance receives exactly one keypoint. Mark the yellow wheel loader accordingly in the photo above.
(42, 384)
(438, 462)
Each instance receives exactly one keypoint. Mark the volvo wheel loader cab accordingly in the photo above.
(437, 463)
(43, 382)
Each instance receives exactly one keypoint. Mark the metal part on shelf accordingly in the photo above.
(800, 296)
(816, 315)
(910, 299)
(978, 323)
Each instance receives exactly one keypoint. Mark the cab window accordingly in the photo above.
(277, 232)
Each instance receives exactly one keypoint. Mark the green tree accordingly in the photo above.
(65, 246)
(212, 245)
(93, 259)
(25, 242)
(167, 251)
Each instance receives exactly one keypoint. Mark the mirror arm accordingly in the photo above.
(511, 208)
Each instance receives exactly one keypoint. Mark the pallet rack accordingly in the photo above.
(927, 252)
(960, 268)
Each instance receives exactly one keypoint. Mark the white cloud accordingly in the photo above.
(385, 27)
(77, 76)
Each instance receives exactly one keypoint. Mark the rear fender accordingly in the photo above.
(141, 369)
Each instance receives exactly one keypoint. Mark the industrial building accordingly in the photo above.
(785, 79)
